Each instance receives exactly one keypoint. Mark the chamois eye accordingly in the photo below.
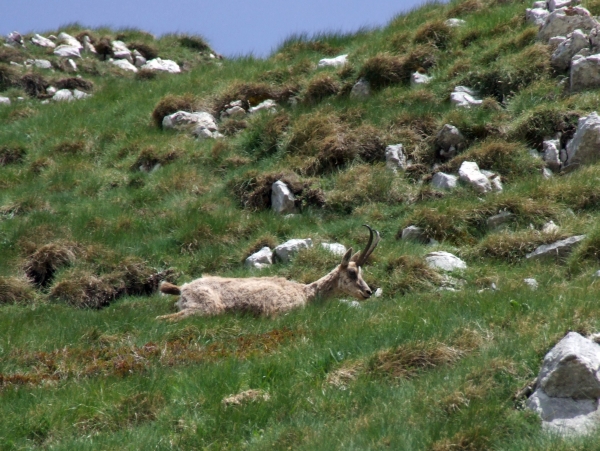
(352, 275)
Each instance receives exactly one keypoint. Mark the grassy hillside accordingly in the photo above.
(89, 223)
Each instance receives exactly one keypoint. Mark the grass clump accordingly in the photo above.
(193, 42)
(262, 134)
(15, 290)
(171, 104)
(409, 273)
(149, 157)
(148, 51)
(545, 122)
(42, 264)
(435, 33)
(512, 247)
(34, 85)
(11, 154)
(74, 83)
(319, 88)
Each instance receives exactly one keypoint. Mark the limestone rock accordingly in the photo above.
(4, 100)
(464, 97)
(120, 51)
(444, 261)
(79, 95)
(584, 148)
(88, 46)
(15, 39)
(67, 51)
(335, 248)
(158, 64)
(454, 22)
(72, 66)
(395, 158)
(69, 40)
(138, 59)
(268, 105)
(282, 199)
(540, 4)
(287, 250)
(414, 233)
(338, 61)
(561, 22)
(260, 259)
(500, 221)
(566, 50)
(494, 180)
(559, 250)
(124, 65)
(552, 154)
(550, 227)
(40, 64)
(556, 4)
(418, 79)
(469, 172)
(449, 140)
(441, 180)
(536, 16)
(531, 283)
(361, 90)
(42, 41)
(182, 120)
(63, 95)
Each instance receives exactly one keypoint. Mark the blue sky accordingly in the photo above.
(233, 27)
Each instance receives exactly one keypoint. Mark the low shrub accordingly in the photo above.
(15, 290)
(319, 88)
(150, 156)
(148, 51)
(43, 263)
(435, 33)
(74, 83)
(193, 42)
(10, 154)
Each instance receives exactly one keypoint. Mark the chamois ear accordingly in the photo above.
(346, 258)
(355, 257)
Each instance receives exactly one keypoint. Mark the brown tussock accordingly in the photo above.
(245, 397)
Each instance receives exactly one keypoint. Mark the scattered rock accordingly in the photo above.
(63, 95)
(418, 79)
(245, 397)
(552, 154)
(88, 46)
(550, 227)
(71, 65)
(536, 16)
(469, 172)
(378, 293)
(540, 4)
(15, 39)
(351, 303)
(51, 90)
(584, 148)
(268, 105)
(568, 387)
(158, 64)
(464, 97)
(494, 180)
(80, 95)
(260, 259)
(558, 250)
(67, 51)
(287, 250)
(283, 200)
(202, 124)
(42, 41)
(361, 90)
(556, 4)
(335, 248)
(531, 283)
(414, 233)
(338, 61)
(120, 51)
(567, 49)
(40, 64)
(454, 22)
(124, 65)
(561, 22)
(441, 180)
(395, 158)
(449, 140)
(500, 221)
(4, 101)
(69, 40)
(138, 59)
(444, 261)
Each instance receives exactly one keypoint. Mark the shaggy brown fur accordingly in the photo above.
(268, 296)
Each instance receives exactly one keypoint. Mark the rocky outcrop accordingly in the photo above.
(260, 259)
(121, 52)
(123, 64)
(67, 51)
(585, 72)
(283, 200)
(482, 181)
(444, 261)
(201, 124)
(69, 40)
(338, 61)
(441, 180)
(536, 16)
(561, 22)
(567, 49)
(41, 41)
(568, 387)
(584, 148)
(287, 250)
(558, 250)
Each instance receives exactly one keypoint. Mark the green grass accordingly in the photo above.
(417, 369)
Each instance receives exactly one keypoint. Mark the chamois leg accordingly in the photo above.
(179, 315)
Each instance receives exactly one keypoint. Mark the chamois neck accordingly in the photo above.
(325, 287)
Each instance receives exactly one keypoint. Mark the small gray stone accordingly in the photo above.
(558, 250)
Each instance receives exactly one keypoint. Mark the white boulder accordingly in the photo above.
(202, 124)
(561, 22)
(4, 100)
(15, 39)
(120, 51)
(287, 250)
(469, 172)
(159, 64)
(550, 227)
(87, 45)
(42, 41)
(551, 154)
(536, 16)
(268, 105)
(558, 250)
(335, 248)
(556, 4)
(585, 72)
(418, 79)
(395, 158)
(260, 259)
(69, 40)
(338, 61)
(63, 95)
(80, 95)
(283, 200)
(444, 261)
(361, 90)
(67, 51)
(567, 49)
(464, 97)
(454, 22)
(71, 65)
(123, 64)
(584, 148)
(441, 180)
(531, 283)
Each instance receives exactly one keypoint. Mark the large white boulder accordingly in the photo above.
(536, 16)
(42, 41)
(444, 261)
(338, 61)
(464, 97)
(566, 50)
(124, 65)
(558, 250)
(4, 100)
(67, 51)
(63, 95)
(469, 172)
(69, 40)
(159, 64)
(287, 250)
(585, 72)
(120, 51)
(335, 248)
(260, 259)
(395, 158)
(200, 123)
(418, 79)
(561, 22)
(568, 387)
(584, 148)
(283, 200)
(442, 180)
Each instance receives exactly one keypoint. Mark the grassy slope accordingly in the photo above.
(117, 379)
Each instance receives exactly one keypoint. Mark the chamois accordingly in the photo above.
(210, 295)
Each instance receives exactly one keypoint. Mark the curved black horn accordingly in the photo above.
(370, 247)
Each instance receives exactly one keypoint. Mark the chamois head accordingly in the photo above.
(350, 279)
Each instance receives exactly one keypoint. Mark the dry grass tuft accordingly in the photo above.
(8, 54)
(346, 374)
(104, 47)
(320, 87)
(34, 85)
(193, 42)
(75, 83)
(84, 289)
(465, 7)
(171, 103)
(245, 397)
(435, 33)
(15, 290)
(409, 273)
(232, 126)
(150, 156)
(408, 360)
(544, 122)
(43, 263)
(252, 94)
(471, 440)
(10, 154)
(70, 147)
(513, 246)
(148, 51)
